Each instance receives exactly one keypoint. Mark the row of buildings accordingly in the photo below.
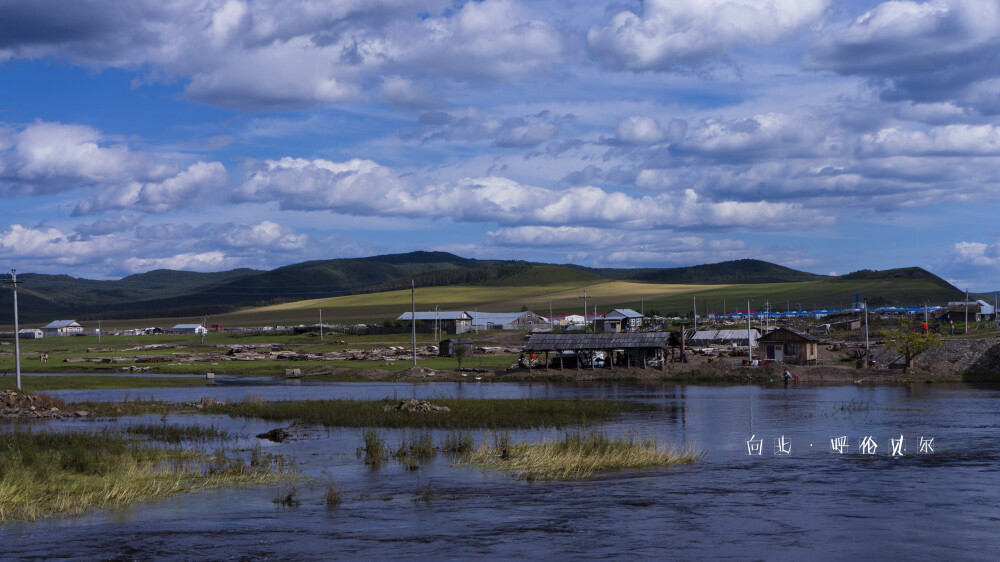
(58, 328)
(461, 321)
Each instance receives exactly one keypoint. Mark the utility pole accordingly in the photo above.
(17, 335)
(321, 324)
(749, 341)
(98, 331)
(437, 325)
(867, 349)
(204, 327)
(966, 311)
(694, 312)
(585, 323)
(413, 318)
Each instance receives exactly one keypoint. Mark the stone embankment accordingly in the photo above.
(21, 406)
(954, 356)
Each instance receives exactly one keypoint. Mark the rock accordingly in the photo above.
(277, 435)
(414, 405)
(81, 413)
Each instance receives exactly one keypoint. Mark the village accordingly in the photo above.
(844, 344)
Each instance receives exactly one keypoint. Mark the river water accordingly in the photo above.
(788, 494)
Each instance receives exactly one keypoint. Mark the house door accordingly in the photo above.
(778, 355)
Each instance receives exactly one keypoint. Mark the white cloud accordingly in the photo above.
(31, 246)
(292, 53)
(672, 34)
(640, 129)
(203, 261)
(363, 187)
(200, 183)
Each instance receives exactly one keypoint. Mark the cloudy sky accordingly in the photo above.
(205, 135)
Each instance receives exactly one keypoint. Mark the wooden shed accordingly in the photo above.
(624, 350)
(787, 345)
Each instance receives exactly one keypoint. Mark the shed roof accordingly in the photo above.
(565, 342)
(724, 335)
(56, 324)
(495, 318)
(436, 315)
(619, 313)
(186, 326)
(786, 334)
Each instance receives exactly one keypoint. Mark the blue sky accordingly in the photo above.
(213, 134)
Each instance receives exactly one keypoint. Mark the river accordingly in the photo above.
(775, 483)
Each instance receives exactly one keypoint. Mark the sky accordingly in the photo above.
(207, 135)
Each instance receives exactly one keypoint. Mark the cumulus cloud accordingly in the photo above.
(198, 184)
(675, 34)
(48, 157)
(471, 125)
(32, 246)
(363, 187)
(292, 53)
(923, 51)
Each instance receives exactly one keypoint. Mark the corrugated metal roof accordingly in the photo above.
(186, 326)
(774, 335)
(56, 324)
(565, 342)
(724, 335)
(623, 313)
(439, 315)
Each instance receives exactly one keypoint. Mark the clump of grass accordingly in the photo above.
(576, 455)
(44, 474)
(287, 497)
(374, 448)
(458, 442)
(855, 406)
(334, 496)
(425, 495)
(178, 433)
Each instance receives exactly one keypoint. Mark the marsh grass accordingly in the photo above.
(44, 474)
(334, 496)
(575, 456)
(374, 448)
(179, 433)
(855, 406)
(465, 413)
(458, 442)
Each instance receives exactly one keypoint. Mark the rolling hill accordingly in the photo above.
(371, 286)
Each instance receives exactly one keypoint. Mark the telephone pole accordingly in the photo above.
(749, 339)
(17, 335)
(413, 318)
(585, 323)
(321, 324)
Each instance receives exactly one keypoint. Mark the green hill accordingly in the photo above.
(166, 293)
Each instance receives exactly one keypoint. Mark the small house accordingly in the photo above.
(450, 321)
(189, 329)
(30, 334)
(787, 345)
(622, 320)
(62, 328)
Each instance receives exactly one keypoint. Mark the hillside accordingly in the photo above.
(723, 273)
(506, 284)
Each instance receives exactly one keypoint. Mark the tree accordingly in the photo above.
(910, 340)
(461, 350)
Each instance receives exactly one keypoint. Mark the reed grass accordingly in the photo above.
(575, 456)
(45, 474)
(374, 448)
(465, 413)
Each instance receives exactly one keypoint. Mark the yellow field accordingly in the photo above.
(564, 297)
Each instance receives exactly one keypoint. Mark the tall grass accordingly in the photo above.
(179, 433)
(576, 455)
(45, 474)
(465, 413)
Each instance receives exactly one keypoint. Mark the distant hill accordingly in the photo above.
(168, 293)
(723, 273)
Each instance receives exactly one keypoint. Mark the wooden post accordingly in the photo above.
(560, 361)
(546, 361)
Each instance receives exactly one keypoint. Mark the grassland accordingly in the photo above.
(575, 456)
(44, 474)
(96, 382)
